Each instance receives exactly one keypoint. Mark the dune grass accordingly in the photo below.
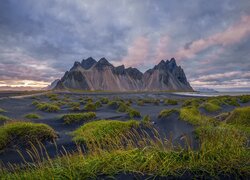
(4, 118)
(90, 106)
(211, 107)
(99, 133)
(167, 112)
(133, 113)
(2, 110)
(78, 117)
(222, 153)
(74, 106)
(52, 97)
(244, 98)
(47, 107)
(240, 118)
(22, 133)
(104, 100)
(32, 116)
(170, 102)
(140, 102)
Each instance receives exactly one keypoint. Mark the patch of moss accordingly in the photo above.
(78, 117)
(22, 133)
(32, 116)
(167, 112)
(170, 102)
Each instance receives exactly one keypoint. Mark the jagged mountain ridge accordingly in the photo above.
(90, 74)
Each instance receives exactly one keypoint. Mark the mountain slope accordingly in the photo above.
(101, 75)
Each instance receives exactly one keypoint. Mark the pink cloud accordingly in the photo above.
(231, 35)
(137, 52)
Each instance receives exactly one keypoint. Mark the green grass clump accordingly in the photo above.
(240, 118)
(192, 102)
(75, 106)
(114, 104)
(193, 116)
(244, 98)
(22, 133)
(104, 100)
(103, 131)
(167, 112)
(122, 107)
(222, 153)
(4, 118)
(2, 110)
(170, 102)
(133, 113)
(32, 116)
(35, 102)
(211, 107)
(78, 117)
(53, 97)
(47, 107)
(146, 119)
(90, 106)
(140, 102)
(98, 104)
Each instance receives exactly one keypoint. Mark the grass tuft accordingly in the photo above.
(90, 106)
(22, 133)
(47, 107)
(78, 117)
(99, 133)
(170, 102)
(32, 116)
(167, 112)
(2, 110)
(4, 118)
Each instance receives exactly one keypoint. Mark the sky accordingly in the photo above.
(40, 40)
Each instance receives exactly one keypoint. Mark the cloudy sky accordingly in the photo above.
(40, 40)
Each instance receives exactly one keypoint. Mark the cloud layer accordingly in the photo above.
(40, 40)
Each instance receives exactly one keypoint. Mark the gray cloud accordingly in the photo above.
(40, 40)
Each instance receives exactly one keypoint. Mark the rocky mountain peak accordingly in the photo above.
(88, 63)
(76, 65)
(103, 62)
(134, 73)
(119, 70)
(102, 75)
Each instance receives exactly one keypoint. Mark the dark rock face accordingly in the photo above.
(88, 63)
(101, 75)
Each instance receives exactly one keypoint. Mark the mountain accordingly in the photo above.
(52, 85)
(102, 75)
